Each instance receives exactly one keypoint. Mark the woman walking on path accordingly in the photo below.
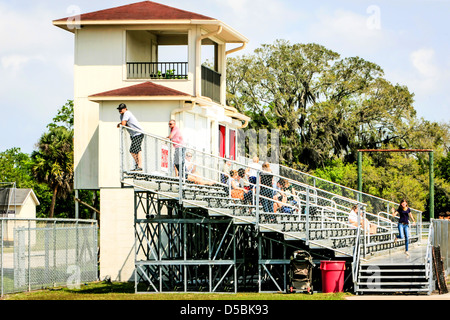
(405, 214)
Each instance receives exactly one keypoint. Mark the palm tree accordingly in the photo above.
(52, 163)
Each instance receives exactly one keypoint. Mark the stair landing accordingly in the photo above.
(397, 256)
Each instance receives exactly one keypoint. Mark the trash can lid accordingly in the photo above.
(332, 265)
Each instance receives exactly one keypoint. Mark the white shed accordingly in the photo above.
(22, 203)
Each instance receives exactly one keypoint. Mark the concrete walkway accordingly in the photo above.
(417, 254)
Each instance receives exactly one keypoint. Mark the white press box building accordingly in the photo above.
(148, 56)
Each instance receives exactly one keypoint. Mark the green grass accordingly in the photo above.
(125, 291)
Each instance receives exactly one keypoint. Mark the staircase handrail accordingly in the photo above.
(356, 258)
(429, 256)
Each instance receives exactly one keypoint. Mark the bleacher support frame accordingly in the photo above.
(181, 249)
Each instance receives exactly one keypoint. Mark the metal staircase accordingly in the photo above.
(393, 278)
(196, 237)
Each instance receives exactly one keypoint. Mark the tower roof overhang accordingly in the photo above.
(147, 13)
(149, 91)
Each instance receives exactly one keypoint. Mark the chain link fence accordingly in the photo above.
(441, 238)
(44, 253)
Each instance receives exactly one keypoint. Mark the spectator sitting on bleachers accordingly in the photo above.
(365, 224)
(244, 183)
(281, 198)
(353, 216)
(236, 191)
(190, 172)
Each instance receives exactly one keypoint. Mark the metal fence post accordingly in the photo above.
(29, 256)
(1, 257)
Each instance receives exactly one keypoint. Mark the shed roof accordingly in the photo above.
(19, 196)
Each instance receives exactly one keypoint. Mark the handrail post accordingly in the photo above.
(356, 258)
(365, 233)
(180, 175)
(257, 190)
(121, 151)
(307, 216)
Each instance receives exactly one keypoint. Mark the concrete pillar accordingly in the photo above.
(117, 252)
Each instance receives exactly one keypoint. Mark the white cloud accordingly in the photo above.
(262, 21)
(238, 6)
(423, 62)
(429, 75)
(35, 73)
(16, 62)
(358, 33)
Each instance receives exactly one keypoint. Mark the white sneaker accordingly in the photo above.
(407, 254)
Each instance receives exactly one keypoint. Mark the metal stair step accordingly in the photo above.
(194, 203)
(409, 270)
(295, 236)
(394, 283)
(393, 290)
(391, 277)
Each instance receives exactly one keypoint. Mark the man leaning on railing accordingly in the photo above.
(129, 120)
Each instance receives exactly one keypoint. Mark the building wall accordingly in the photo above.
(98, 68)
(100, 65)
(117, 250)
(28, 209)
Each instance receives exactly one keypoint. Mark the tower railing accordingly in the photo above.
(157, 70)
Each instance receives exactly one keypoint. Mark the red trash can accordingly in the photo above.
(332, 276)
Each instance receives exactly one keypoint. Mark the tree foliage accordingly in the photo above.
(53, 162)
(322, 104)
(49, 169)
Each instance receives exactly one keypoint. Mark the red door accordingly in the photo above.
(222, 140)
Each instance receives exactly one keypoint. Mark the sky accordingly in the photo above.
(409, 40)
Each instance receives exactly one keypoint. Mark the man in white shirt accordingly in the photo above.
(254, 167)
(129, 120)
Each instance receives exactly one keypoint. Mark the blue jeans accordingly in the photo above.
(266, 203)
(403, 230)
